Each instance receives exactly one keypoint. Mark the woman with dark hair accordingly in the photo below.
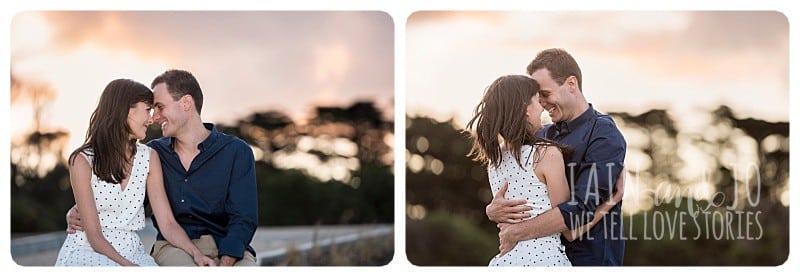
(110, 174)
(522, 165)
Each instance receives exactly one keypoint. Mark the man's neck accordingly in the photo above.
(193, 135)
(583, 106)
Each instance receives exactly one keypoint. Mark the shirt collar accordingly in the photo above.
(211, 139)
(567, 127)
(206, 143)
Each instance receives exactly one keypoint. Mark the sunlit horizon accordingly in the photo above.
(685, 63)
(246, 62)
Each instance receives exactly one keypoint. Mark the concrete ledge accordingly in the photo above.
(306, 253)
(287, 245)
(30, 245)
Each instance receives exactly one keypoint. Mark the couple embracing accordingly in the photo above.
(557, 188)
(199, 182)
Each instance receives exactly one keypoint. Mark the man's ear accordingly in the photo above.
(572, 83)
(187, 102)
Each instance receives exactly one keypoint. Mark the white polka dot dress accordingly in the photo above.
(523, 184)
(121, 214)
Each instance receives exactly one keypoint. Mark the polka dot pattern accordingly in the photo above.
(120, 208)
(524, 184)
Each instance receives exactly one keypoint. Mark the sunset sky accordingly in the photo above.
(685, 62)
(245, 61)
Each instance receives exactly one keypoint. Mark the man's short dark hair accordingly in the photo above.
(560, 64)
(180, 83)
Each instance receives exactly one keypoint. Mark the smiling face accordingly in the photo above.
(534, 112)
(555, 99)
(139, 119)
(168, 112)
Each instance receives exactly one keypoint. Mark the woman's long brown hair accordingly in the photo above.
(501, 114)
(109, 136)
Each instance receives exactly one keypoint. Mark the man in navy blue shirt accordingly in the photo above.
(209, 178)
(595, 165)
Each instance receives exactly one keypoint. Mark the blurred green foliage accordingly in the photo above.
(446, 239)
(447, 193)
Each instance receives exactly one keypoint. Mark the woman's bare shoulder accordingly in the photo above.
(552, 155)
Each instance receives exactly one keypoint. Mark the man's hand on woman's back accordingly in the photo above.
(501, 210)
(73, 220)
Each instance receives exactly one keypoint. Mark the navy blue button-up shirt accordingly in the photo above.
(217, 195)
(592, 172)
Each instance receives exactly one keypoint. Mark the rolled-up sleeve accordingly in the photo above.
(596, 175)
(241, 205)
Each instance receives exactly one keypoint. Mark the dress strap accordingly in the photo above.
(145, 151)
(536, 149)
(145, 156)
(88, 155)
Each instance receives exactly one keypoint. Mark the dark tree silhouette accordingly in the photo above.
(287, 196)
(454, 198)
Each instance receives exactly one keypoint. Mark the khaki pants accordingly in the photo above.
(167, 254)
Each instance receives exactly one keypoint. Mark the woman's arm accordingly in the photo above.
(170, 228)
(551, 170)
(551, 167)
(80, 175)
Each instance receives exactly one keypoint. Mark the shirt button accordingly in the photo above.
(185, 180)
(181, 200)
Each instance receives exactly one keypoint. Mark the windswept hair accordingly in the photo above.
(109, 135)
(500, 117)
